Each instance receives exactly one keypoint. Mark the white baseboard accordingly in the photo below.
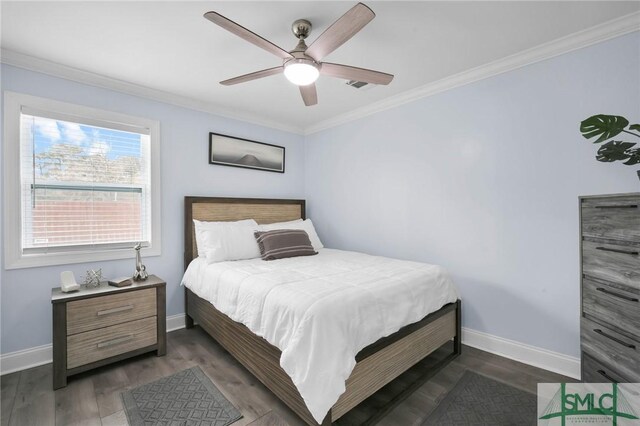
(33, 357)
(538, 357)
(175, 322)
(532, 355)
(26, 358)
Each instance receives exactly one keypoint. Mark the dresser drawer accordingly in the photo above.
(609, 262)
(604, 343)
(95, 345)
(593, 371)
(97, 312)
(615, 218)
(614, 305)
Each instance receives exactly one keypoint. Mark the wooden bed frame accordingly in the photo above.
(376, 365)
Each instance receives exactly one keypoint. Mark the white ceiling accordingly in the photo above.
(169, 46)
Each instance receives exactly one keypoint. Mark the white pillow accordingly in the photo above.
(235, 243)
(206, 232)
(220, 241)
(305, 225)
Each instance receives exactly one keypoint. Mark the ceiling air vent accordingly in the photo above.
(357, 84)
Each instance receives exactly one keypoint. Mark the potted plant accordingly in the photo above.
(607, 127)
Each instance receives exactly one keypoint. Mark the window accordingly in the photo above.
(85, 187)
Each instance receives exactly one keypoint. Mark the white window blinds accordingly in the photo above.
(84, 183)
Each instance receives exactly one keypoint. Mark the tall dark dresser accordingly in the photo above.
(610, 323)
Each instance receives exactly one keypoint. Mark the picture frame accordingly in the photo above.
(225, 150)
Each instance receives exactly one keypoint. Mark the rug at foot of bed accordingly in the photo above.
(478, 400)
(187, 397)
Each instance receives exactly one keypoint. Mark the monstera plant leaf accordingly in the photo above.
(605, 126)
(614, 151)
(634, 157)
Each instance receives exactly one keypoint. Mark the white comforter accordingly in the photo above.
(321, 310)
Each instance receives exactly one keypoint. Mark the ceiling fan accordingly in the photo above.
(302, 65)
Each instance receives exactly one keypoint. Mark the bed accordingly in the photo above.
(375, 365)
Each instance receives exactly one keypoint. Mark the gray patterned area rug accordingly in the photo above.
(477, 400)
(187, 398)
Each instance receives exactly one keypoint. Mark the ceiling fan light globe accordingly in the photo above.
(301, 73)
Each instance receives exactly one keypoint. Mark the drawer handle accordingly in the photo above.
(614, 294)
(606, 376)
(615, 339)
(115, 341)
(115, 310)
(623, 206)
(632, 253)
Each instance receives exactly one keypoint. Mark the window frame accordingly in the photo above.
(14, 258)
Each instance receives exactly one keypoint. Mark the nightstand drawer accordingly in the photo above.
(614, 263)
(605, 343)
(613, 218)
(91, 314)
(616, 305)
(593, 371)
(95, 345)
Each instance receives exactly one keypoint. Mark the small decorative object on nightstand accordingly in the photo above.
(97, 326)
(93, 278)
(141, 270)
(68, 282)
(121, 281)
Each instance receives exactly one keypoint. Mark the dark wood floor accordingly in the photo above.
(93, 398)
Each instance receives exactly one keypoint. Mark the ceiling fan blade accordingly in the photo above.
(340, 31)
(354, 73)
(309, 94)
(253, 76)
(246, 34)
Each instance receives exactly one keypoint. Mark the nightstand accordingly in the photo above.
(96, 326)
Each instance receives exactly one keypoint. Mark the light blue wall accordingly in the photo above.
(484, 179)
(25, 293)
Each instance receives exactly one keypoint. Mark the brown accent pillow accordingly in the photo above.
(283, 243)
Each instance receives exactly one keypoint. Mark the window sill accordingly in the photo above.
(67, 258)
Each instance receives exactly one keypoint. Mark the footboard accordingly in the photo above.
(376, 370)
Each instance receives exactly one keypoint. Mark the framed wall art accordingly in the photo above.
(236, 152)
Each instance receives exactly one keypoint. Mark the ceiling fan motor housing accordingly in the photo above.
(299, 55)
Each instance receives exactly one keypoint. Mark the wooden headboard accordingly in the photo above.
(262, 210)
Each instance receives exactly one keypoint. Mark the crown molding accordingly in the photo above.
(55, 69)
(578, 40)
(596, 34)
